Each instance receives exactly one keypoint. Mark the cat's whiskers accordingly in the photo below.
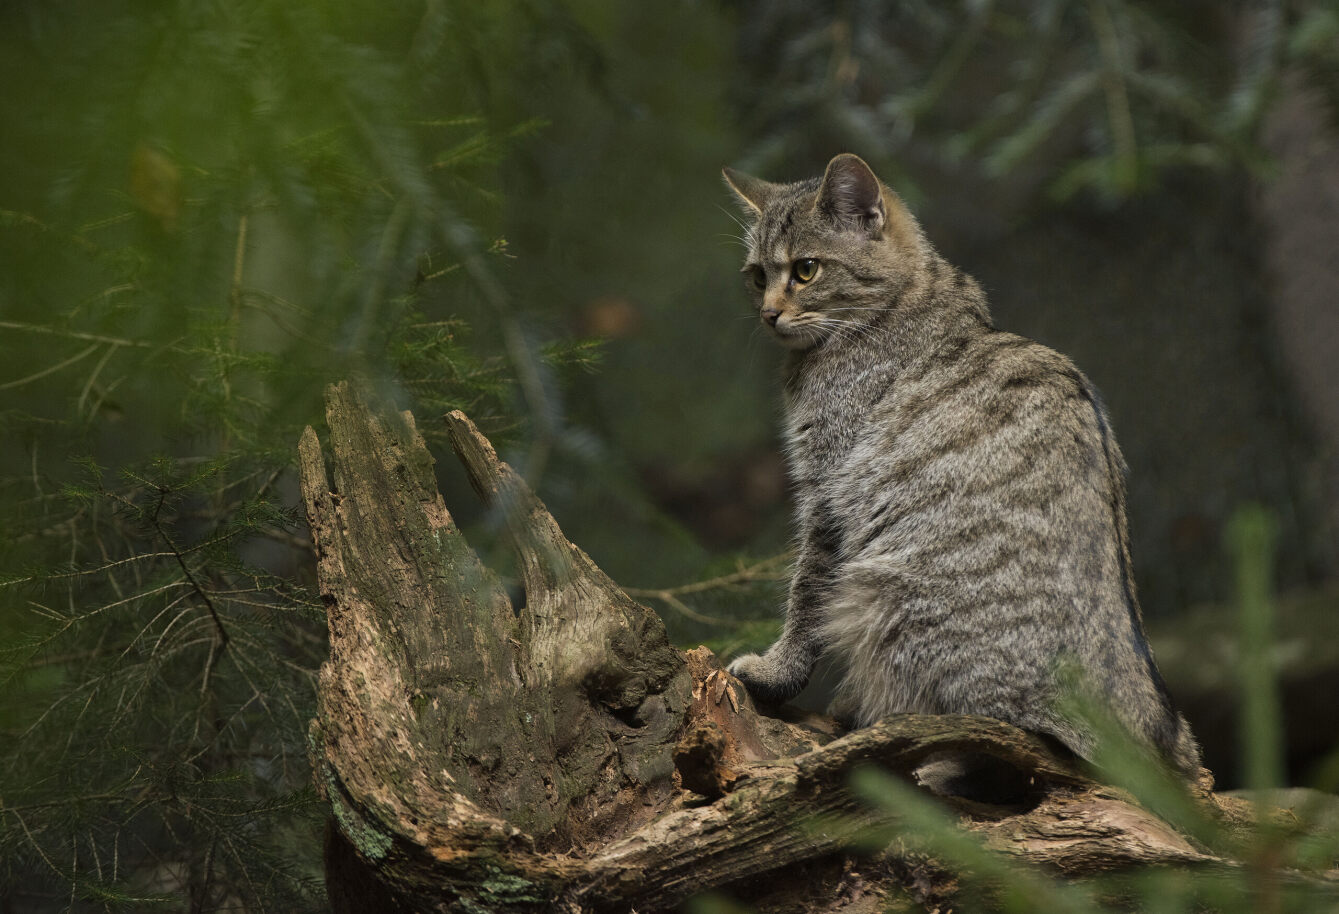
(843, 330)
(854, 332)
(859, 325)
(862, 328)
(739, 222)
(848, 330)
(750, 236)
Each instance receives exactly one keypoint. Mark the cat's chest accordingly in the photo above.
(824, 419)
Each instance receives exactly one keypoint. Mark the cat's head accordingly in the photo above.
(825, 254)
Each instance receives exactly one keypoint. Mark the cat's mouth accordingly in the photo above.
(794, 334)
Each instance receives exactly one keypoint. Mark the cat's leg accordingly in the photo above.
(782, 671)
(869, 630)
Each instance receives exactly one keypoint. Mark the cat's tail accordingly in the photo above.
(1184, 751)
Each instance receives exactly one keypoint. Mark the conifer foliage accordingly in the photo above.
(210, 211)
(1103, 98)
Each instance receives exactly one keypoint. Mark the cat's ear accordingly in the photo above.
(851, 196)
(753, 192)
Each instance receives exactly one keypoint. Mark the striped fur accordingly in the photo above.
(960, 497)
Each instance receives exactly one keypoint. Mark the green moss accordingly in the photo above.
(371, 843)
(501, 891)
(507, 888)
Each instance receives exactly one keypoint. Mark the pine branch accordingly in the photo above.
(74, 334)
(1118, 100)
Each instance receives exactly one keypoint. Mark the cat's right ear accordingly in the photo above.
(753, 192)
(852, 196)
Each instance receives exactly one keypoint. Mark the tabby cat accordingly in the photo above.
(960, 497)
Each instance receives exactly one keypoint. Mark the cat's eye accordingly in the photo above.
(806, 269)
(758, 278)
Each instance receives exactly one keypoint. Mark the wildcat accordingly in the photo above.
(960, 497)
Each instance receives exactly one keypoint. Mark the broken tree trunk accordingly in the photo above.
(563, 755)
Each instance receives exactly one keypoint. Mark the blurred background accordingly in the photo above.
(209, 211)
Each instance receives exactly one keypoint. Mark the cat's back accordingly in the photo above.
(987, 415)
(989, 474)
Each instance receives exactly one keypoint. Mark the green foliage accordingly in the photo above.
(218, 210)
(716, 904)
(155, 695)
(1251, 537)
(1104, 97)
(209, 212)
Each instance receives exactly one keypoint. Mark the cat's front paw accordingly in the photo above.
(766, 680)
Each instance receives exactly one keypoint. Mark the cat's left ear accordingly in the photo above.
(753, 192)
(852, 196)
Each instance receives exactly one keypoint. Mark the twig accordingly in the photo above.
(92, 379)
(292, 540)
(74, 334)
(768, 569)
(1118, 101)
(37, 480)
(190, 577)
(37, 847)
(238, 262)
(959, 52)
(52, 369)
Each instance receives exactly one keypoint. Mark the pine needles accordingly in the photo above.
(223, 208)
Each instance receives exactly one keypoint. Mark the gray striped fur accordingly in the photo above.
(961, 525)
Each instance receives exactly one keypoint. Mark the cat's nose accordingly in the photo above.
(770, 314)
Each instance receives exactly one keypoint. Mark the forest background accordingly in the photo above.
(209, 211)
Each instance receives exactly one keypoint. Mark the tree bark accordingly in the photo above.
(563, 755)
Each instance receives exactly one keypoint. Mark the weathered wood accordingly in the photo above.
(482, 756)
(455, 736)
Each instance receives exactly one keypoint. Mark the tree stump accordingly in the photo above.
(562, 755)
